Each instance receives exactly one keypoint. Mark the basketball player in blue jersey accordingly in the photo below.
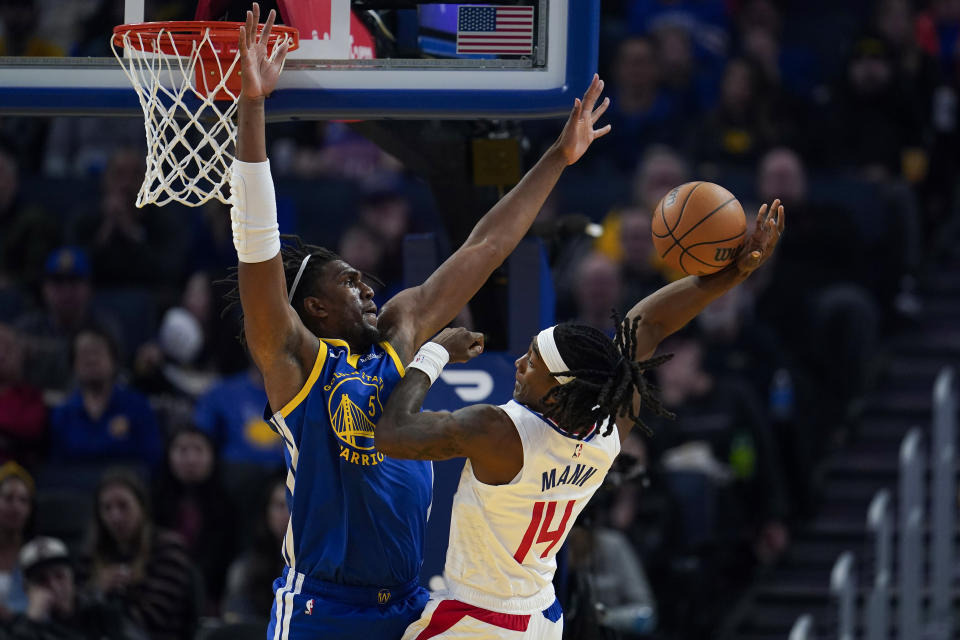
(353, 546)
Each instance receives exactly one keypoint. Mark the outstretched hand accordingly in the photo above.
(460, 343)
(579, 132)
(766, 234)
(260, 69)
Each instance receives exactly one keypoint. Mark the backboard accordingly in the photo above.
(427, 68)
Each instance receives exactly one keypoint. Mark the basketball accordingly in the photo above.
(698, 228)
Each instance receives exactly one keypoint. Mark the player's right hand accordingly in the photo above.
(760, 244)
(260, 69)
(461, 344)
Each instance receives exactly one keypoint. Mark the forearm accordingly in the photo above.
(510, 219)
(670, 308)
(251, 136)
(402, 409)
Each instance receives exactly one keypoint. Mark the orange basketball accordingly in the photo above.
(698, 228)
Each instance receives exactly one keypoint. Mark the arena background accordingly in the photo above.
(801, 397)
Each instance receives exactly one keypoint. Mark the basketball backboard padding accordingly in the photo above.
(348, 89)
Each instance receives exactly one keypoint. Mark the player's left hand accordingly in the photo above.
(260, 68)
(579, 132)
(461, 344)
(766, 234)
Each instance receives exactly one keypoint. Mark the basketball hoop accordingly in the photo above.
(187, 76)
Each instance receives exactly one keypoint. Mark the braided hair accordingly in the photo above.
(605, 379)
(292, 252)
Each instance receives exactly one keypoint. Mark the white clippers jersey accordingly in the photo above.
(504, 539)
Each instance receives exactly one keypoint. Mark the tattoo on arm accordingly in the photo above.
(403, 431)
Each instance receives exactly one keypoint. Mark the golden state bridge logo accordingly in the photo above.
(353, 402)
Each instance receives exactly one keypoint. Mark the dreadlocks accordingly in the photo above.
(292, 252)
(605, 378)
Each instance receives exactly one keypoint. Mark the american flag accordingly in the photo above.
(496, 30)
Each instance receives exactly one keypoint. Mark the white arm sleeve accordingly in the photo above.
(253, 213)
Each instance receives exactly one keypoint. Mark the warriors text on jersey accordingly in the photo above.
(356, 517)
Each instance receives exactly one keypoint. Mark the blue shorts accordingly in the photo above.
(304, 608)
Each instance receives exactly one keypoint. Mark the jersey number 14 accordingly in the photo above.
(545, 534)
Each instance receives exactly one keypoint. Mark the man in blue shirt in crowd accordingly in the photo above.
(103, 420)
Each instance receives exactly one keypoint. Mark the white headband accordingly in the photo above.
(296, 281)
(550, 355)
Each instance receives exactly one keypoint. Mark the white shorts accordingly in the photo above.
(447, 619)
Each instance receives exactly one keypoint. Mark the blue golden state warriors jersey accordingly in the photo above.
(356, 517)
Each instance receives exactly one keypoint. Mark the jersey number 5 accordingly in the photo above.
(545, 535)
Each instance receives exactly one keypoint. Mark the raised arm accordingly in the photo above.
(278, 341)
(415, 314)
(668, 309)
(482, 432)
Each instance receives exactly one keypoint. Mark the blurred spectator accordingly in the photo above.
(91, 32)
(249, 594)
(48, 333)
(221, 350)
(790, 66)
(364, 248)
(82, 147)
(332, 149)
(706, 21)
(619, 586)
(917, 69)
(190, 500)
(16, 524)
(598, 290)
(386, 211)
(130, 246)
(660, 170)
(144, 568)
(721, 432)
(103, 420)
(639, 268)
(741, 127)
(840, 254)
(19, 36)
(170, 370)
(737, 342)
(57, 609)
(692, 84)
(212, 247)
(641, 111)
(231, 413)
(831, 320)
(938, 32)
(30, 233)
(23, 415)
(61, 21)
(869, 125)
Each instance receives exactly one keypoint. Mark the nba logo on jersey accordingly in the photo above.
(309, 607)
(578, 450)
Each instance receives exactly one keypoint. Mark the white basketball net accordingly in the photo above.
(190, 136)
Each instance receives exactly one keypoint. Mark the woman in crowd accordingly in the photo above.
(146, 568)
(16, 516)
(249, 593)
(191, 501)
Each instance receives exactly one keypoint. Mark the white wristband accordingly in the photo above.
(431, 359)
(256, 235)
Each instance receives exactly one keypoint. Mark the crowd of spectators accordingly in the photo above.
(123, 387)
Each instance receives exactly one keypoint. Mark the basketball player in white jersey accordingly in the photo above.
(533, 463)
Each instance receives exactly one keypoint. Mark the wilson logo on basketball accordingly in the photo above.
(672, 196)
(724, 253)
